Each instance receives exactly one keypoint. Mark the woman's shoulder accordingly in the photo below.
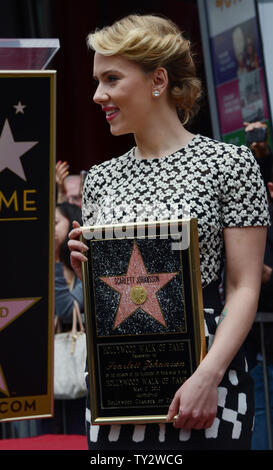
(224, 153)
(110, 164)
(221, 147)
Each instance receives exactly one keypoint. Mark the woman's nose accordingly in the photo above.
(100, 96)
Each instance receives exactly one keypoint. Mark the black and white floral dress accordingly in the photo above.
(220, 185)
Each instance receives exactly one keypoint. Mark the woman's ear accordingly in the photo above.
(160, 81)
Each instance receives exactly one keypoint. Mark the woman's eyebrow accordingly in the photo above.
(105, 73)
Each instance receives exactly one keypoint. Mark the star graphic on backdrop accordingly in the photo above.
(10, 310)
(136, 290)
(11, 151)
(19, 107)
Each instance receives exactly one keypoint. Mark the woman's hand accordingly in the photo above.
(61, 172)
(195, 403)
(259, 148)
(77, 249)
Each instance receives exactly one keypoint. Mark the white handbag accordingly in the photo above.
(70, 359)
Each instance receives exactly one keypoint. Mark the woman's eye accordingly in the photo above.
(112, 78)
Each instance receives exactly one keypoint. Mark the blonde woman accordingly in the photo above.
(147, 86)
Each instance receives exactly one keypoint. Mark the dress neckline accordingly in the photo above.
(182, 150)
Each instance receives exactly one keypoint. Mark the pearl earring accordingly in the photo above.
(156, 93)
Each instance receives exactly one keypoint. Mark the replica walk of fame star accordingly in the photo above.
(138, 288)
(144, 321)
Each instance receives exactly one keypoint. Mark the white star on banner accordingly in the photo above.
(11, 151)
(19, 107)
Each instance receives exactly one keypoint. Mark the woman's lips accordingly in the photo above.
(111, 113)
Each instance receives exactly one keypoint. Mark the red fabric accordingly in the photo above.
(46, 442)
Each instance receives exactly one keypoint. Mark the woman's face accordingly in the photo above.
(124, 92)
(61, 228)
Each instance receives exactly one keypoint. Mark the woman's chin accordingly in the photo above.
(117, 131)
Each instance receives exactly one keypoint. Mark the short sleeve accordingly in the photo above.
(89, 208)
(243, 199)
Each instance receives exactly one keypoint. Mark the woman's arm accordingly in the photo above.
(195, 402)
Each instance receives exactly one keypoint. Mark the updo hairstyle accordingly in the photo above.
(152, 42)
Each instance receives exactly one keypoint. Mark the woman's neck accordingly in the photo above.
(164, 136)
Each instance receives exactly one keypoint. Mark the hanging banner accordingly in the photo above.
(27, 202)
(238, 67)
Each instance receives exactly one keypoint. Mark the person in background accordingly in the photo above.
(260, 148)
(251, 56)
(69, 415)
(264, 157)
(68, 186)
(67, 285)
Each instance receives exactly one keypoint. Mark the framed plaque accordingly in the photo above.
(144, 317)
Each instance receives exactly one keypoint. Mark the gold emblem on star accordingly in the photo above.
(138, 295)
